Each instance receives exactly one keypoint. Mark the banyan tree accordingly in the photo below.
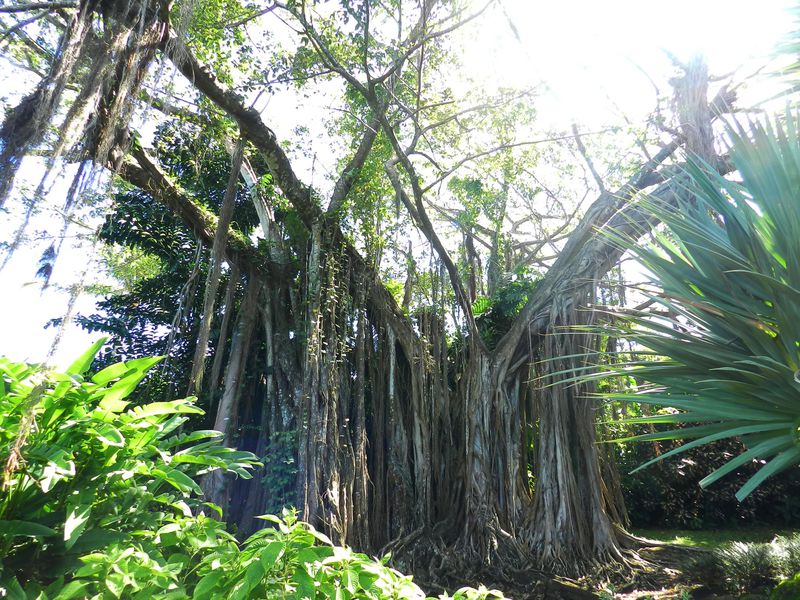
(411, 428)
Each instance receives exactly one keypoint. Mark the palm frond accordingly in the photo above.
(728, 268)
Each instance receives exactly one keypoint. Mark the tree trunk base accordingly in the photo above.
(440, 562)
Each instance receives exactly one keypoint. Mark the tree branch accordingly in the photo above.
(350, 173)
(141, 171)
(489, 151)
(304, 199)
(582, 149)
(29, 6)
(20, 24)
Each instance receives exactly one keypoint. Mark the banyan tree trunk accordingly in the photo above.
(565, 526)
(570, 528)
(496, 496)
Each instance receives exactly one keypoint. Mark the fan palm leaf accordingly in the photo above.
(724, 348)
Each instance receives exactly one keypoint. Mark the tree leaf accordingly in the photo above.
(77, 518)
(84, 361)
(14, 528)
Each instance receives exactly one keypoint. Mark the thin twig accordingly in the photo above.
(582, 149)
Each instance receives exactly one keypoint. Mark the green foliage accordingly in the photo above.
(84, 470)
(130, 265)
(706, 567)
(789, 553)
(496, 314)
(788, 589)
(738, 567)
(293, 560)
(288, 560)
(280, 471)
(666, 495)
(747, 566)
(206, 24)
(155, 255)
(728, 266)
(476, 200)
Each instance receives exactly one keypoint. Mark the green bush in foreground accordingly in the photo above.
(748, 566)
(100, 500)
(790, 555)
(84, 472)
(787, 590)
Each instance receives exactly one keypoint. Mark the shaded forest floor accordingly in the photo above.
(670, 574)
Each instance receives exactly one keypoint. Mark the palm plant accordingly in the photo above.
(723, 350)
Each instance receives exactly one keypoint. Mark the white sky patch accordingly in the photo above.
(25, 309)
(600, 59)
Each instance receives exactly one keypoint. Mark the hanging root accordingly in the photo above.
(27, 123)
(107, 69)
(15, 459)
(117, 62)
(143, 38)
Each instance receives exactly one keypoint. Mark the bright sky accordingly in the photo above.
(591, 54)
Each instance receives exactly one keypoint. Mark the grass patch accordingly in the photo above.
(715, 537)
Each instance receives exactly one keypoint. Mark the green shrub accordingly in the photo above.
(737, 568)
(789, 550)
(789, 589)
(83, 469)
(747, 567)
(293, 560)
(666, 495)
(707, 568)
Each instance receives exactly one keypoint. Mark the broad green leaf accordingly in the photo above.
(270, 554)
(73, 589)
(164, 408)
(178, 479)
(205, 589)
(253, 575)
(12, 528)
(111, 372)
(109, 435)
(77, 518)
(82, 364)
(304, 584)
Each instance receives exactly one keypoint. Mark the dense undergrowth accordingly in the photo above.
(739, 567)
(666, 494)
(102, 498)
